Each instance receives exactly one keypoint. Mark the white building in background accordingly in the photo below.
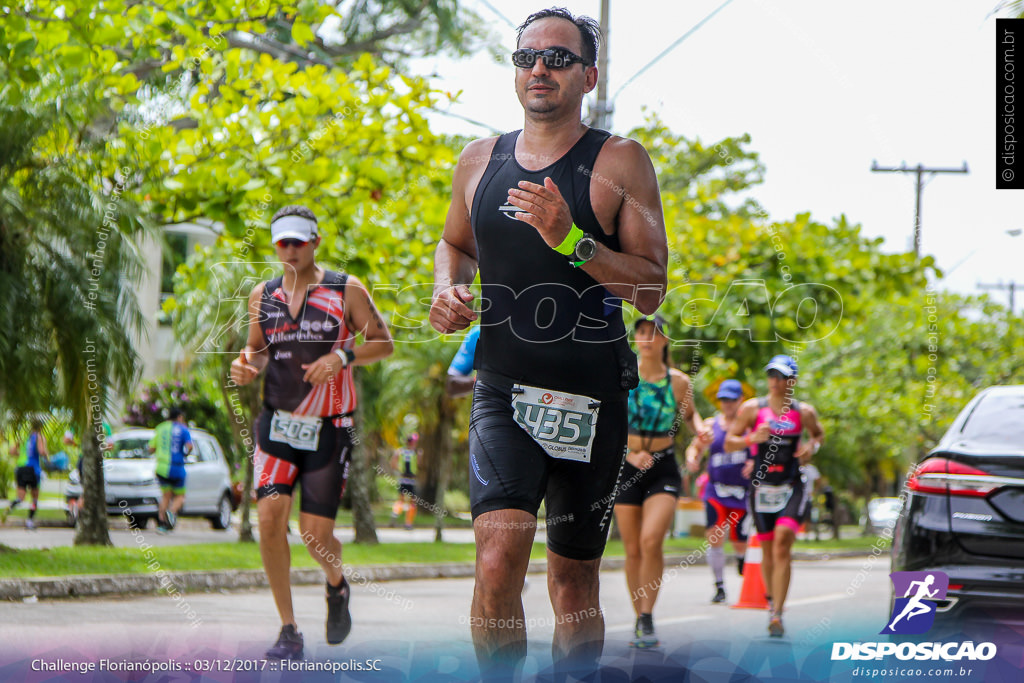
(158, 349)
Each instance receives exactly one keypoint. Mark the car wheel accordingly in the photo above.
(222, 520)
(137, 521)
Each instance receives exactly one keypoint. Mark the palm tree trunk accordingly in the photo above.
(246, 407)
(445, 420)
(361, 478)
(92, 526)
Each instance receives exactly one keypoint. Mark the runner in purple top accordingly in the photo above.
(725, 497)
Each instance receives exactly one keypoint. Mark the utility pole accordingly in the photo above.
(602, 118)
(920, 170)
(1012, 287)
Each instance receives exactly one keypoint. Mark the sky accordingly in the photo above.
(824, 89)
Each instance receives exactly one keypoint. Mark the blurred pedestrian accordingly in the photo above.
(171, 442)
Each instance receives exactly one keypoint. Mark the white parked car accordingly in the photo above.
(882, 514)
(129, 473)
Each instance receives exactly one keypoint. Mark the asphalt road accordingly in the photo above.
(413, 625)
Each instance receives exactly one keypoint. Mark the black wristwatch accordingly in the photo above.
(585, 249)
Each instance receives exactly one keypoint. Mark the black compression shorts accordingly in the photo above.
(510, 471)
(321, 474)
(26, 477)
(790, 515)
(636, 486)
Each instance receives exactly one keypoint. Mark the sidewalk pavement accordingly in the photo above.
(198, 531)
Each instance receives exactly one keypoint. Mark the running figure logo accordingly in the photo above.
(914, 613)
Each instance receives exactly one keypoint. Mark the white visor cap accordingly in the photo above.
(292, 227)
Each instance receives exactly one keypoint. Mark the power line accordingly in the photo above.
(1012, 287)
(495, 10)
(919, 170)
(671, 47)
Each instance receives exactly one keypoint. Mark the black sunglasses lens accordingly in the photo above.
(524, 59)
(553, 58)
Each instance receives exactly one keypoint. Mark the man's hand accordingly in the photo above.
(642, 460)
(544, 208)
(323, 369)
(449, 311)
(242, 372)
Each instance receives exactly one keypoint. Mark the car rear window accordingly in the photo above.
(997, 418)
(129, 449)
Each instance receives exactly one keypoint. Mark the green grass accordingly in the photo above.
(65, 561)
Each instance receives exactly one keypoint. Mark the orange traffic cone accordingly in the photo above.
(752, 592)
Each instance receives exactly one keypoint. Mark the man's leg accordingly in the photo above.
(324, 547)
(782, 560)
(503, 542)
(177, 502)
(35, 503)
(273, 511)
(410, 511)
(628, 518)
(165, 501)
(574, 588)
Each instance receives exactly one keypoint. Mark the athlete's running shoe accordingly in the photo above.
(644, 632)
(775, 629)
(172, 519)
(288, 645)
(719, 595)
(30, 524)
(339, 619)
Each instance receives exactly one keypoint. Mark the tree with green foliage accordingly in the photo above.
(68, 260)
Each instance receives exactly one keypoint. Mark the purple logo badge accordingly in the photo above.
(914, 612)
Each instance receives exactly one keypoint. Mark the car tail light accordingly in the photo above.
(955, 586)
(941, 475)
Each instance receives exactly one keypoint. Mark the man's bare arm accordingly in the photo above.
(455, 261)
(638, 273)
(255, 355)
(364, 318)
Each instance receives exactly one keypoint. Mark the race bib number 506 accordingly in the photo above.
(298, 431)
(562, 424)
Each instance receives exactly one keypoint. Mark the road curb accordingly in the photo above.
(49, 588)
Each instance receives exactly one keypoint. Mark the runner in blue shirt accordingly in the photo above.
(171, 442)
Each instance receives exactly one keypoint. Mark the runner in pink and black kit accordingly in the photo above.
(777, 496)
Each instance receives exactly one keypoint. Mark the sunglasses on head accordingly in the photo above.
(553, 58)
(291, 242)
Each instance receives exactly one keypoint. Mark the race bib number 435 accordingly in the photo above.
(562, 424)
(298, 431)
